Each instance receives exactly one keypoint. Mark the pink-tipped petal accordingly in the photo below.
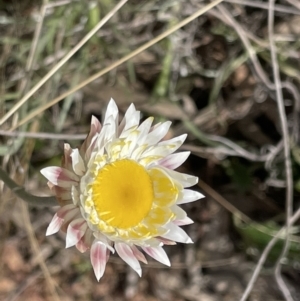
(67, 160)
(183, 222)
(67, 213)
(65, 210)
(85, 242)
(88, 144)
(98, 258)
(126, 253)
(60, 176)
(177, 234)
(166, 241)
(138, 254)
(75, 232)
(158, 254)
(174, 160)
(189, 196)
(63, 195)
(95, 126)
(54, 225)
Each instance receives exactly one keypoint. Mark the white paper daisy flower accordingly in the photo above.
(119, 191)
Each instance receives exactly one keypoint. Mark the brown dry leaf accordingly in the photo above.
(12, 258)
(240, 74)
(6, 285)
(166, 109)
(291, 27)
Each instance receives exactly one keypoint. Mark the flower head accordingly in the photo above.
(119, 191)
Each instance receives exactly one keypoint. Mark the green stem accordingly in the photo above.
(20, 192)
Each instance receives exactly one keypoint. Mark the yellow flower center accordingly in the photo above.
(122, 193)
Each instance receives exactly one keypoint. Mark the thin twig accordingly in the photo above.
(286, 144)
(294, 3)
(25, 196)
(251, 51)
(41, 135)
(61, 62)
(119, 62)
(223, 202)
(258, 4)
(36, 252)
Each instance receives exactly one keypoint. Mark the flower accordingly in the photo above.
(119, 191)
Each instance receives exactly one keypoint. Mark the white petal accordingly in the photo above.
(138, 254)
(184, 179)
(177, 234)
(144, 129)
(165, 148)
(127, 255)
(109, 128)
(75, 232)
(189, 196)
(75, 195)
(60, 176)
(130, 144)
(158, 254)
(104, 240)
(176, 141)
(111, 111)
(183, 222)
(98, 258)
(131, 119)
(179, 212)
(174, 160)
(77, 163)
(54, 225)
(158, 133)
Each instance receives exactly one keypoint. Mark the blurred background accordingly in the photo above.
(213, 79)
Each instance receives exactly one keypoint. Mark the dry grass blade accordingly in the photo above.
(37, 252)
(287, 151)
(223, 202)
(62, 62)
(119, 62)
(278, 7)
(41, 135)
